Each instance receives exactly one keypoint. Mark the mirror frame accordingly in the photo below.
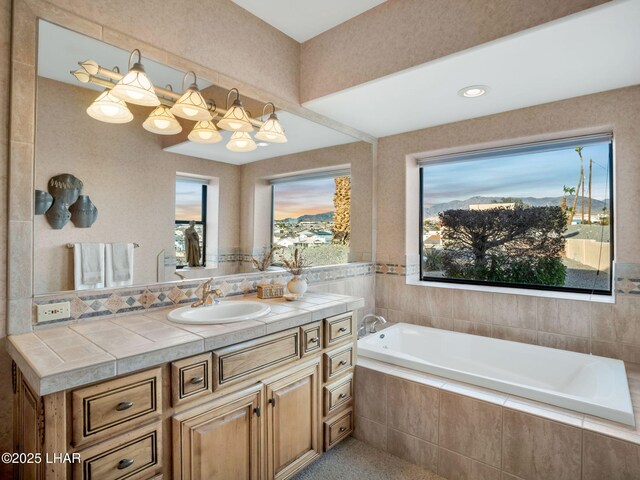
(20, 179)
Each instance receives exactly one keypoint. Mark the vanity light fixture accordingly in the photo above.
(135, 86)
(205, 132)
(271, 130)
(191, 105)
(473, 91)
(241, 142)
(110, 109)
(236, 119)
(162, 121)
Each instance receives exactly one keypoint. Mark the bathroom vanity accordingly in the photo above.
(259, 401)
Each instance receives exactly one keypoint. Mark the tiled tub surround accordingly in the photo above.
(466, 432)
(355, 279)
(63, 357)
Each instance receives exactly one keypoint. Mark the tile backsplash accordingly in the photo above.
(88, 304)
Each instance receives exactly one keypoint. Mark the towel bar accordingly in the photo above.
(70, 245)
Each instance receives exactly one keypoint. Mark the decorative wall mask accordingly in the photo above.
(83, 212)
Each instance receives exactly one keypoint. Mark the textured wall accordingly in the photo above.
(6, 399)
(217, 34)
(603, 329)
(358, 154)
(128, 177)
(399, 34)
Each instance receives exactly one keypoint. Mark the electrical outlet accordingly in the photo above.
(54, 311)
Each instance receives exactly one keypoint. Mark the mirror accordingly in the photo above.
(167, 208)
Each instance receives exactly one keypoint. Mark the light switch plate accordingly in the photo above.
(54, 311)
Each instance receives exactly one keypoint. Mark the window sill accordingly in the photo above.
(586, 297)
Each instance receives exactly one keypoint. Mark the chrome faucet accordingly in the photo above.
(376, 319)
(207, 293)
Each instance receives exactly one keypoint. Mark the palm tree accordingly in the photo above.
(567, 191)
(580, 183)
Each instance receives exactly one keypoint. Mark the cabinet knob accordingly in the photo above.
(125, 463)
(272, 401)
(342, 362)
(342, 329)
(197, 380)
(342, 395)
(314, 340)
(124, 406)
(343, 429)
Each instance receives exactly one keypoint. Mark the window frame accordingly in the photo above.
(547, 288)
(202, 222)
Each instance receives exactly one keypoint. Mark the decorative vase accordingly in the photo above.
(297, 285)
(83, 212)
(65, 188)
(43, 202)
(58, 215)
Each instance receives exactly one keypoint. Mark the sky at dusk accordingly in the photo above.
(304, 197)
(188, 200)
(540, 174)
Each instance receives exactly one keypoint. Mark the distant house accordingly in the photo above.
(432, 239)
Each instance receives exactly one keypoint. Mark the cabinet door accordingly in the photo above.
(29, 423)
(293, 417)
(220, 440)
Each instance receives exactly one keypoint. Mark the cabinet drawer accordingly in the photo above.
(191, 378)
(132, 456)
(337, 428)
(243, 360)
(311, 336)
(338, 328)
(116, 405)
(337, 394)
(337, 361)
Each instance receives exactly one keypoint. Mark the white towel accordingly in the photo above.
(88, 265)
(119, 264)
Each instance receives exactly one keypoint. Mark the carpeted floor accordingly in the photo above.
(355, 460)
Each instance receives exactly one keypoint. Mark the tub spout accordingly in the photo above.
(372, 323)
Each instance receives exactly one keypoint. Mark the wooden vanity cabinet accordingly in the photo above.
(257, 410)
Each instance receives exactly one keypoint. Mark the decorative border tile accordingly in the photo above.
(89, 304)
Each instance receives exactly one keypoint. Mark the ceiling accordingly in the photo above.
(591, 51)
(304, 19)
(302, 134)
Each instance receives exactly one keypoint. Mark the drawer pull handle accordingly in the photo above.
(272, 401)
(314, 340)
(125, 463)
(342, 363)
(124, 406)
(342, 395)
(343, 429)
(342, 329)
(197, 380)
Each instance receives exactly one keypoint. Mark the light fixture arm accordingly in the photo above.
(237, 96)
(186, 75)
(273, 109)
(133, 52)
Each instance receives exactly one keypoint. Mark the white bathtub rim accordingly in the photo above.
(561, 399)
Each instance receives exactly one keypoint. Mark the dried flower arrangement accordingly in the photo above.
(266, 259)
(297, 264)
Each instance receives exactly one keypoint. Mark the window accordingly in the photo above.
(531, 216)
(191, 206)
(313, 212)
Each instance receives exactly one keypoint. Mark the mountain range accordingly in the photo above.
(596, 205)
(318, 217)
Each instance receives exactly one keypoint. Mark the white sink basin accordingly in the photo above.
(224, 312)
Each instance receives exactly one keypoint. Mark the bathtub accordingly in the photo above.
(585, 383)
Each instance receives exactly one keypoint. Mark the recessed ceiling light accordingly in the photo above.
(262, 144)
(473, 91)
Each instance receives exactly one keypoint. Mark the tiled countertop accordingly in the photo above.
(60, 358)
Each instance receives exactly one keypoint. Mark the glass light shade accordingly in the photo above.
(110, 109)
(191, 106)
(236, 119)
(136, 88)
(205, 132)
(272, 131)
(162, 122)
(241, 142)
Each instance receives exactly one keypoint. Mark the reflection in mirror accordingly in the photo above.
(194, 209)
